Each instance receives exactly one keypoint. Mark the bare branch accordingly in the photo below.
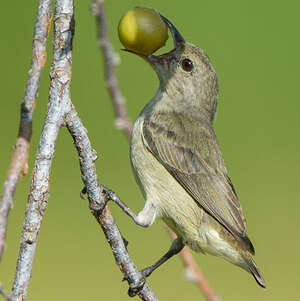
(18, 166)
(58, 104)
(110, 60)
(118, 103)
(97, 201)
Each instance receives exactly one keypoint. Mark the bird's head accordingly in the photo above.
(186, 74)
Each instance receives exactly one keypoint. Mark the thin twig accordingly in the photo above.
(58, 101)
(97, 201)
(118, 103)
(4, 293)
(110, 60)
(18, 166)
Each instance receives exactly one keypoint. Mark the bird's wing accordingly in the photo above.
(195, 161)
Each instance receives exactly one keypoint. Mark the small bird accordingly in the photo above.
(178, 164)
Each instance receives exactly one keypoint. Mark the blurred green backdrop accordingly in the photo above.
(254, 46)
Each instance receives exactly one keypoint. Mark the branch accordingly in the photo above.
(97, 200)
(109, 58)
(58, 101)
(18, 166)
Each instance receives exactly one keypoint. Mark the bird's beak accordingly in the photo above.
(177, 37)
(178, 41)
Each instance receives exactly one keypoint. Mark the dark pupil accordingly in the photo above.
(187, 65)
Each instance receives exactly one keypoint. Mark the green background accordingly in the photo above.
(254, 47)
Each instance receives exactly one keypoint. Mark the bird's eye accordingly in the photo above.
(187, 65)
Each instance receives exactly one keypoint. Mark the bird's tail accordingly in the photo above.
(253, 269)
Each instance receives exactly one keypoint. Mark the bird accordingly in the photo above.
(178, 164)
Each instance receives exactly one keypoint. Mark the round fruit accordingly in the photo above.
(142, 30)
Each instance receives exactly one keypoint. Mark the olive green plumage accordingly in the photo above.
(178, 163)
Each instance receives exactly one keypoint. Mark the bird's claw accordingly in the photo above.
(135, 288)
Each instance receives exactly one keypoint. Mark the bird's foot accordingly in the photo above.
(135, 288)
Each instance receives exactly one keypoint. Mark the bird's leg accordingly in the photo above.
(145, 218)
(176, 247)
